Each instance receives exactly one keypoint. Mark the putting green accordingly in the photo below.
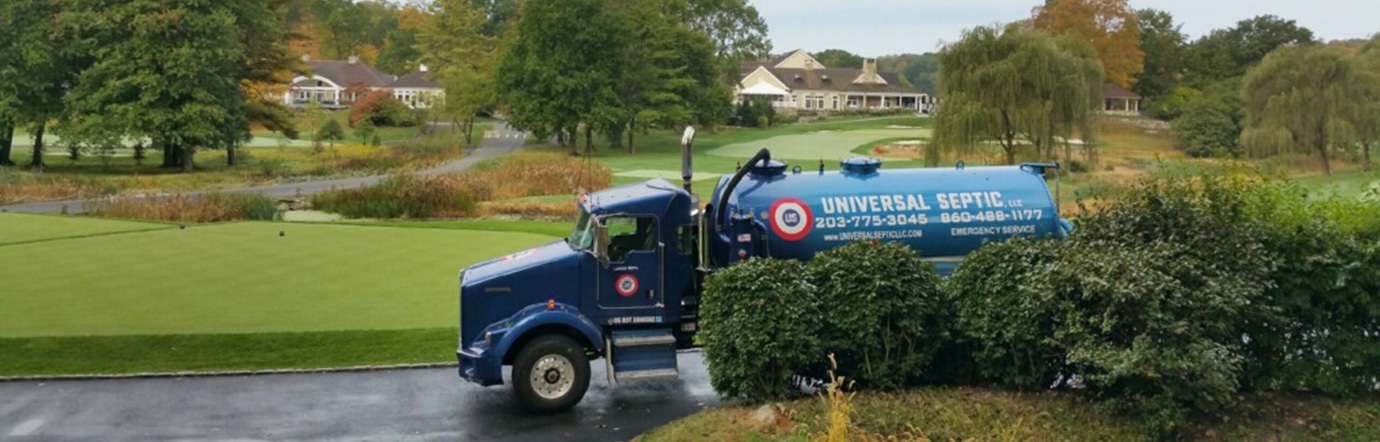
(823, 145)
(17, 228)
(240, 278)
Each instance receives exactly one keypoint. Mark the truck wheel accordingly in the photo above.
(551, 374)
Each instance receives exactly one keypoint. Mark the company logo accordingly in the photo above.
(625, 285)
(790, 219)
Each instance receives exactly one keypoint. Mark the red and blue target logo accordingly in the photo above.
(790, 219)
(625, 285)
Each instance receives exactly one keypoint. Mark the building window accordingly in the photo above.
(836, 102)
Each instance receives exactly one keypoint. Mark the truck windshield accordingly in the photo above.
(583, 236)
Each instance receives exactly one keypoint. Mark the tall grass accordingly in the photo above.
(16, 188)
(207, 208)
(460, 195)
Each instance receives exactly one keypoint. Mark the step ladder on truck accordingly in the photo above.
(625, 286)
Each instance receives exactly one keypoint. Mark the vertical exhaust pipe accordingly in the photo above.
(686, 171)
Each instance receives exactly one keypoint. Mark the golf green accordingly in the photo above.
(824, 145)
(239, 278)
(19, 228)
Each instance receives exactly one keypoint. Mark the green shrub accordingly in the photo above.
(760, 323)
(1327, 288)
(1001, 316)
(884, 312)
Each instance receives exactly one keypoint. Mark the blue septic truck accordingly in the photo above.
(625, 285)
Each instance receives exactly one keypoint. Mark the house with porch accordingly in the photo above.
(796, 81)
(337, 84)
(1116, 100)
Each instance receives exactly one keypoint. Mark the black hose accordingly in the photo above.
(762, 155)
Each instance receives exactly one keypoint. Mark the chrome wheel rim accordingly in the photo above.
(552, 376)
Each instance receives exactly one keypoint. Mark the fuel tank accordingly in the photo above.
(944, 213)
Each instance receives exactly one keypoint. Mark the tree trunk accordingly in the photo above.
(1009, 145)
(187, 164)
(589, 139)
(172, 156)
(1365, 154)
(632, 128)
(230, 155)
(1320, 143)
(6, 143)
(469, 130)
(37, 161)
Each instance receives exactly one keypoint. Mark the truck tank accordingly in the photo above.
(944, 213)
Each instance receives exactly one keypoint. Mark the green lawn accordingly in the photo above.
(1346, 184)
(23, 228)
(237, 278)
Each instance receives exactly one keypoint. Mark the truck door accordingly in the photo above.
(632, 278)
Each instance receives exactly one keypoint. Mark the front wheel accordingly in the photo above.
(551, 374)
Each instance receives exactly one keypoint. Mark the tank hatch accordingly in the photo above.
(860, 165)
(769, 168)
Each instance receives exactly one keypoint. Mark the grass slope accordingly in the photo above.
(241, 278)
(24, 228)
(957, 413)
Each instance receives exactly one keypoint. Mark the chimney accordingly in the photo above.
(354, 59)
(870, 66)
(809, 64)
(421, 67)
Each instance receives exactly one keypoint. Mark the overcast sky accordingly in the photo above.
(880, 27)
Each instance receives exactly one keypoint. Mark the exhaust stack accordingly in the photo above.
(686, 171)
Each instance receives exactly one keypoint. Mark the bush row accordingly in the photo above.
(206, 208)
(877, 308)
(1170, 301)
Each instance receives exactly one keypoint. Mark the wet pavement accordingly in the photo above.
(394, 405)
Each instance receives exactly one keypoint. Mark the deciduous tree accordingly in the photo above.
(839, 58)
(1227, 53)
(1163, 44)
(461, 57)
(738, 31)
(38, 69)
(167, 71)
(1009, 83)
(1306, 99)
(1111, 26)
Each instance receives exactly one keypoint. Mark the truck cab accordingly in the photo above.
(621, 288)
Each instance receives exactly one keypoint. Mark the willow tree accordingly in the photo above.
(1306, 99)
(1017, 87)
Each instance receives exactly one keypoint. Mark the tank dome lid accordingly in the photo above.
(862, 165)
(769, 168)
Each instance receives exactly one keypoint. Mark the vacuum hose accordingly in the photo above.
(763, 155)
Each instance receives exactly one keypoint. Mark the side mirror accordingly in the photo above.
(601, 241)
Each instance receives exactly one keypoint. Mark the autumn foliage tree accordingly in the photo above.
(1111, 26)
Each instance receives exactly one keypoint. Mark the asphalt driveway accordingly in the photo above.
(393, 405)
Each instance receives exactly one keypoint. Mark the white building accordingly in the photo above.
(797, 81)
(337, 84)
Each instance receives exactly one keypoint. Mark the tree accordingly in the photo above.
(346, 22)
(364, 130)
(498, 15)
(1227, 53)
(1111, 26)
(1001, 83)
(1369, 129)
(839, 58)
(1205, 128)
(738, 31)
(462, 58)
(267, 64)
(670, 81)
(562, 68)
(38, 70)
(1306, 99)
(168, 71)
(1163, 44)
(331, 132)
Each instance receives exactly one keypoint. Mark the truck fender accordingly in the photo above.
(561, 315)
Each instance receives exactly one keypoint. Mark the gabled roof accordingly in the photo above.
(347, 74)
(1110, 90)
(841, 80)
(416, 80)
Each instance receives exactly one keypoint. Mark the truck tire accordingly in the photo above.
(551, 374)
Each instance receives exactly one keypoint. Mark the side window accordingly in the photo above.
(687, 239)
(628, 234)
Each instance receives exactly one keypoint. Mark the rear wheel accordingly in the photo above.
(551, 374)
